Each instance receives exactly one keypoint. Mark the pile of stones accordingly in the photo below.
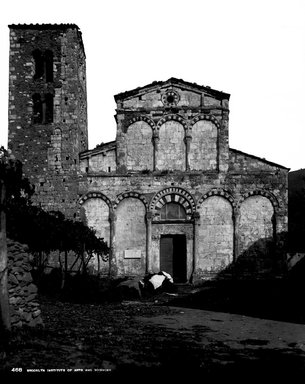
(23, 299)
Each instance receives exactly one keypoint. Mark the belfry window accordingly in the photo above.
(48, 105)
(37, 109)
(48, 62)
(39, 66)
(43, 65)
(173, 211)
(42, 108)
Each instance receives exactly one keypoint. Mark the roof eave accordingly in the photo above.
(174, 81)
(259, 158)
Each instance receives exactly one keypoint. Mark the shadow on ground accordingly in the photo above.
(117, 341)
(276, 299)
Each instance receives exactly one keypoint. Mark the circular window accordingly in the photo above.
(170, 98)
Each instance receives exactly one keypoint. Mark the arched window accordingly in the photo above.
(42, 108)
(43, 65)
(173, 211)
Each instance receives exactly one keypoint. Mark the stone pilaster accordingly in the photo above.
(120, 144)
(194, 277)
(223, 143)
(149, 217)
(112, 263)
(155, 140)
(187, 140)
(236, 242)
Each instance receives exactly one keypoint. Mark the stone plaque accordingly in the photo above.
(132, 254)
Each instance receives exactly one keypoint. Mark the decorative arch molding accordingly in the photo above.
(172, 117)
(259, 192)
(174, 195)
(142, 118)
(220, 193)
(204, 117)
(125, 195)
(95, 195)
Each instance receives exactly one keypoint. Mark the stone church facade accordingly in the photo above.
(169, 193)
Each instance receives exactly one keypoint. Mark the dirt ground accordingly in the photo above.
(171, 333)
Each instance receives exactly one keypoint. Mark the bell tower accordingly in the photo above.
(48, 109)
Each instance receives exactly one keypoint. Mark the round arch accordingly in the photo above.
(204, 117)
(95, 195)
(142, 118)
(125, 195)
(263, 193)
(217, 192)
(172, 117)
(174, 195)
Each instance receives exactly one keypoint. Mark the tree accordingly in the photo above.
(46, 232)
(42, 231)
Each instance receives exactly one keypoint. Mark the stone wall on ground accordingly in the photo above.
(23, 299)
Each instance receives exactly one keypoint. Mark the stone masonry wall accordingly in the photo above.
(239, 161)
(97, 216)
(152, 99)
(232, 196)
(139, 146)
(98, 161)
(256, 242)
(171, 151)
(49, 150)
(215, 235)
(130, 237)
(203, 147)
(104, 162)
(172, 123)
(256, 214)
(23, 299)
(198, 184)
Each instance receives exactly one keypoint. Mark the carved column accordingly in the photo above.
(149, 217)
(112, 221)
(196, 217)
(155, 141)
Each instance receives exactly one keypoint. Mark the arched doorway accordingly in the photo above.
(173, 246)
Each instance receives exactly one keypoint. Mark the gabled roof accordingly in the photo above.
(258, 158)
(103, 147)
(172, 81)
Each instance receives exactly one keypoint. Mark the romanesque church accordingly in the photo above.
(169, 193)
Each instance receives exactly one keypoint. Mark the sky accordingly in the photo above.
(253, 50)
